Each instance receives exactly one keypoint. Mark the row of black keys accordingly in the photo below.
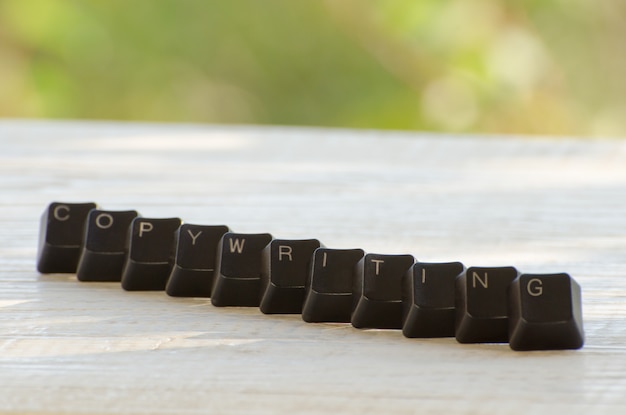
(475, 305)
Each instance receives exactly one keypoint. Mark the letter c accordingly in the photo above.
(57, 213)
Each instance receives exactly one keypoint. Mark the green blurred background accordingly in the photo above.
(529, 67)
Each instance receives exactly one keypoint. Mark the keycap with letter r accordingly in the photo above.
(61, 236)
(545, 313)
(328, 288)
(150, 254)
(194, 262)
(378, 291)
(482, 314)
(285, 267)
(237, 280)
(428, 297)
(104, 249)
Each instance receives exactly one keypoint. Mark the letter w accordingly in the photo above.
(236, 245)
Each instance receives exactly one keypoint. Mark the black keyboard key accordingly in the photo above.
(482, 314)
(286, 264)
(150, 254)
(237, 279)
(328, 289)
(194, 263)
(104, 249)
(428, 296)
(61, 236)
(378, 291)
(545, 313)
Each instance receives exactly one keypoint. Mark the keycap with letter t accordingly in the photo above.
(378, 291)
(194, 262)
(482, 314)
(237, 280)
(428, 296)
(545, 313)
(61, 236)
(328, 289)
(150, 254)
(285, 267)
(104, 249)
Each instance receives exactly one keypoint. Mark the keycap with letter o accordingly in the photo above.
(378, 291)
(104, 249)
(482, 314)
(285, 267)
(429, 299)
(150, 254)
(237, 280)
(194, 262)
(328, 289)
(545, 313)
(61, 236)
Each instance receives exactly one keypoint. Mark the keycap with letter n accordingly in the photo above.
(61, 236)
(194, 261)
(482, 314)
(378, 291)
(429, 299)
(237, 280)
(545, 313)
(328, 289)
(150, 254)
(104, 249)
(285, 267)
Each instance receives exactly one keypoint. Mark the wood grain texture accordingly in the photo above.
(540, 204)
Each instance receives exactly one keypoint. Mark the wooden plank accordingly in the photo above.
(542, 205)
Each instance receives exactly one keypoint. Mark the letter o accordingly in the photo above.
(108, 222)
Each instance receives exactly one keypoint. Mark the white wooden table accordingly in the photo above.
(542, 205)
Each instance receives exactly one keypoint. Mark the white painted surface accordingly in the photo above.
(540, 204)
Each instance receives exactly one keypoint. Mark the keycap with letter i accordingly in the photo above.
(482, 314)
(194, 261)
(429, 299)
(104, 249)
(285, 267)
(237, 280)
(545, 313)
(150, 254)
(328, 289)
(61, 236)
(378, 291)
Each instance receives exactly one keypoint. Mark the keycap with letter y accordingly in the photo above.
(237, 280)
(545, 313)
(482, 314)
(194, 261)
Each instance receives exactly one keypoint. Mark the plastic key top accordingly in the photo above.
(61, 236)
(237, 279)
(104, 249)
(194, 263)
(428, 297)
(545, 313)
(285, 267)
(482, 304)
(150, 254)
(378, 291)
(328, 289)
